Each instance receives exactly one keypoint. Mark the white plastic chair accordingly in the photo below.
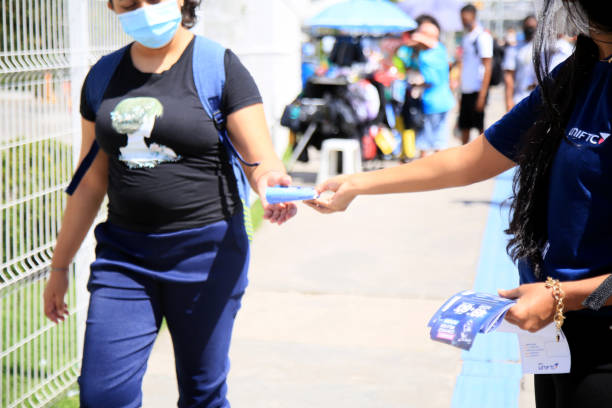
(351, 158)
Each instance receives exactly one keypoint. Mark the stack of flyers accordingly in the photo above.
(466, 314)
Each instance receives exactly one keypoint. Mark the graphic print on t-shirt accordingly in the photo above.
(191, 191)
(135, 117)
(583, 137)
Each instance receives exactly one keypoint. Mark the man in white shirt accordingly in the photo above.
(477, 66)
(519, 72)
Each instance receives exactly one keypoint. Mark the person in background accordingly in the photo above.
(432, 63)
(477, 66)
(519, 74)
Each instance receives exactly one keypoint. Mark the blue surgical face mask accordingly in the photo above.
(152, 26)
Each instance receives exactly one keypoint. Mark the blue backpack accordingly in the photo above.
(209, 77)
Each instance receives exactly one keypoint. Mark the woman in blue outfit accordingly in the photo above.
(432, 62)
(561, 223)
(175, 244)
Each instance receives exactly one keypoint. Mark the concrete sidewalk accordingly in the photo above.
(338, 315)
(337, 309)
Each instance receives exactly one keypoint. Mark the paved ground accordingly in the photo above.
(337, 309)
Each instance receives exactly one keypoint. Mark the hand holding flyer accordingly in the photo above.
(464, 315)
(468, 313)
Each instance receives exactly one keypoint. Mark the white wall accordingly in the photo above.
(266, 35)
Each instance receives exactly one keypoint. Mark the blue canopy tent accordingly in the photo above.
(373, 17)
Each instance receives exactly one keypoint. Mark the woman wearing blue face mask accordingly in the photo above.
(175, 244)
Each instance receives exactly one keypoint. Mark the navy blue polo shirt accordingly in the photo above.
(580, 188)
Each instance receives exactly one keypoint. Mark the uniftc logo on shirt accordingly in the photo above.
(585, 137)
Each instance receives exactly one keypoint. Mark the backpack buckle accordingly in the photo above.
(219, 121)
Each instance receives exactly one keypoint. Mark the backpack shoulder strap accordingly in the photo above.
(97, 81)
(476, 45)
(100, 75)
(209, 78)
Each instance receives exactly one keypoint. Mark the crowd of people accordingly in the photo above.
(425, 66)
(483, 61)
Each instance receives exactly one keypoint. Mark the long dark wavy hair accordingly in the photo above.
(189, 12)
(529, 208)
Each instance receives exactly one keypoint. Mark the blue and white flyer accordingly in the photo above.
(468, 313)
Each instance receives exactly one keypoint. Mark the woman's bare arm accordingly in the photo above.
(79, 214)
(248, 131)
(535, 305)
(83, 206)
(454, 167)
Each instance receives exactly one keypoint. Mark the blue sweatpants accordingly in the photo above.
(133, 286)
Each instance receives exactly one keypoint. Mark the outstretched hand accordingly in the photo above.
(534, 308)
(275, 213)
(342, 188)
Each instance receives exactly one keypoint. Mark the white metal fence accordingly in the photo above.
(46, 47)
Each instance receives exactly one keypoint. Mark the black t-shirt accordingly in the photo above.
(168, 170)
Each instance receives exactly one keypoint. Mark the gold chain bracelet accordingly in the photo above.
(559, 296)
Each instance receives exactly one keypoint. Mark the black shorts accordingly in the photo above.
(468, 116)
